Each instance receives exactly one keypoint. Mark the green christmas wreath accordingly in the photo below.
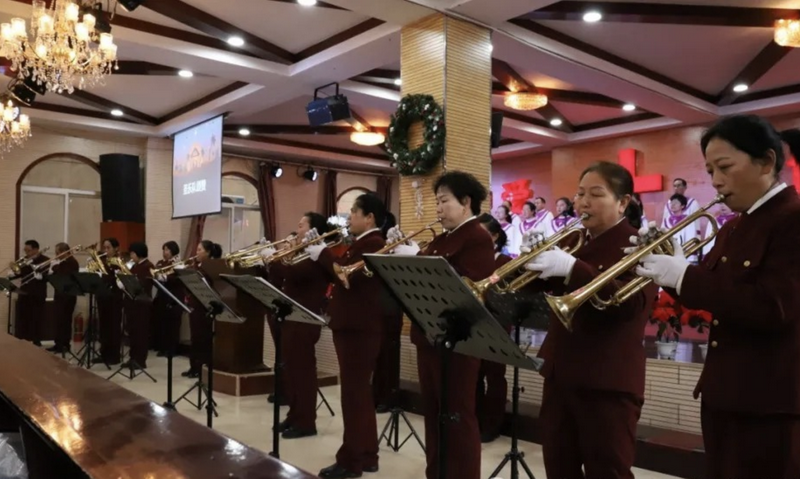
(424, 158)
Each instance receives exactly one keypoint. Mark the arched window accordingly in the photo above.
(346, 200)
(59, 200)
(239, 225)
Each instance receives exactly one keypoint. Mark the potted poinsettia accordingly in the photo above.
(667, 315)
(700, 320)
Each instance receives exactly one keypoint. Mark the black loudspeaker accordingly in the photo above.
(121, 188)
(497, 129)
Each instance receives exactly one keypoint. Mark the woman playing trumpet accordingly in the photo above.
(199, 328)
(594, 375)
(749, 282)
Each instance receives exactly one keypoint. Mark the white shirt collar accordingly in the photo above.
(462, 224)
(367, 232)
(142, 261)
(774, 191)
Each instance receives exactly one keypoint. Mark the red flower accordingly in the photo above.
(663, 314)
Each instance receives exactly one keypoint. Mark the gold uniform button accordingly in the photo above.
(724, 259)
(600, 267)
(747, 263)
(715, 322)
(714, 344)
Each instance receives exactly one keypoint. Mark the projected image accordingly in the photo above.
(197, 170)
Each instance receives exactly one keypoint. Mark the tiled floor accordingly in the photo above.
(249, 420)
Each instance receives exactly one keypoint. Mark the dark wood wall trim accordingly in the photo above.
(348, 190)
(241, 176)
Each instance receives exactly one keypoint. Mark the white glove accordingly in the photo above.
(647, 233)
(407, 249)
(311, 235)
(665, 270)
(267, 253)
(55, 262)
(394, 235)
(162, 278)
(531, 239)
(553, 263)
(37, 275)
(315, 250)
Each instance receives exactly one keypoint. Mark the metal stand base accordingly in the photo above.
(202, 390)
(325, 402)
(134, 371)
(391, 431)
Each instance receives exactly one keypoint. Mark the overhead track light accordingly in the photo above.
(276, 171)
(310, 174)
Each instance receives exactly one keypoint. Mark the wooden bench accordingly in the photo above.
(75, 424)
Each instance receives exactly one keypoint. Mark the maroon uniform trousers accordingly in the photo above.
(750, 384)
(386, 380)
(307, 283)
(31, 304)
(594, 375)
(64, 304)
(138, 314)
(470, 250)
(356, 315)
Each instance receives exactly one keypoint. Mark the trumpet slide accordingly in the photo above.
(566, 306)
(170, 268)
(248, 257)
(46, 265)
(344, 272)
(293, 255)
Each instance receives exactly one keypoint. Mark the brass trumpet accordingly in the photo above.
(565, 306)
(289, 256)
(344, 272)
(16, 266)
(170, 268)
(498, 278)
(248, 257)
(120, 263)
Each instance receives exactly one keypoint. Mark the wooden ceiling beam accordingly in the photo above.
(76, 111)
(319, 4)
(662, 13)
(132, 67)
(340, 37)
(570, 96)
(202, 101)
(767, 58)
(623, 120)
(515, 82)
(511, 115)
(256, 130)
(220, 29)
(314, 147)
(94, 101)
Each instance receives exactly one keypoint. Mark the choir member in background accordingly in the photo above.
(638, 200)
(515, 219)
(503, 215)
(594, 376)
(386, 380)
(356, 322)
(63, 304)
(529, 222)
(749, 282)
(109, 308)
(307, 283)
(542, 216)
(166, 324)
(565, 214)
(724, 214)
(679, 188)
(33, 296)
(139, 310)
(199, 329)
(492, 384)
(678, 212)
(470, 251)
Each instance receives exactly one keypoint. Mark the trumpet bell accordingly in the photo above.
(563, 309)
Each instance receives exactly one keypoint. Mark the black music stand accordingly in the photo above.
(133, 289)
(93, 285)
(285, 309)
(520, 310)
(66, 285)
(8, 288)
(215, 310)
(438, 301)
(179, 304)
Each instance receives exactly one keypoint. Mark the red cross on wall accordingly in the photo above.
(641, 184)
(791, 163)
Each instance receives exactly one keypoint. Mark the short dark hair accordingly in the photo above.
(214, 249)
(530, 205)
(140, 248)
(62, 247)
(369, 204)
(494, 228)
(463, 185)
(750, 134)
(172, 247)
(114, 242)
(318, 222)
(32, 243)
(681, 180)
(540, 199)
(620, 182)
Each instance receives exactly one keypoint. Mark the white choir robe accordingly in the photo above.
(691, 207)
(543, 220)
(721, 220)
(559, 223)
(515, 219)
(683, 235)
(514, 239)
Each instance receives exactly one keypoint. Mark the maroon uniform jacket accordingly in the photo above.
(66, 267)
(307, 283)
(605, 350)
(750, 283)
(501, 260)
(360, 307)
(35, 288)
(142, 272)
(470, 251)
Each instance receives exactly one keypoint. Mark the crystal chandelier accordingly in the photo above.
(525, 100)
(15, 128)
(63, 51)
(787, 33)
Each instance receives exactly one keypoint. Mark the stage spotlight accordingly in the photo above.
(310, 174)
(276, 171)
(130, 5)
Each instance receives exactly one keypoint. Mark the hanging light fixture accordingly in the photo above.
(15, 128)
(787, 33)
(367, 138)
(64, 51)
(525, 100)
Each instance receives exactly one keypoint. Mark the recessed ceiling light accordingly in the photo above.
(185, 74)
(593, 16)
(307, 3)
(235, 41)
(398, 81)
(740, 88)
(556, 122)
(117, 112)
(629, 107)
(244, 131)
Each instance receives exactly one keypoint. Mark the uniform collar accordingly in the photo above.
(367, 232)
(768, 196)
(462, 224)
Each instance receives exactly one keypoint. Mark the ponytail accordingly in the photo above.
(792, 138)
(388, 223)
(494, 228)
(216, 251)
(634, 214)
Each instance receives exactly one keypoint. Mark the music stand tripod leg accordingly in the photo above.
(391, 431)
(324, 401)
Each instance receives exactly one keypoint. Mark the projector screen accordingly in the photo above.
(197, 170)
